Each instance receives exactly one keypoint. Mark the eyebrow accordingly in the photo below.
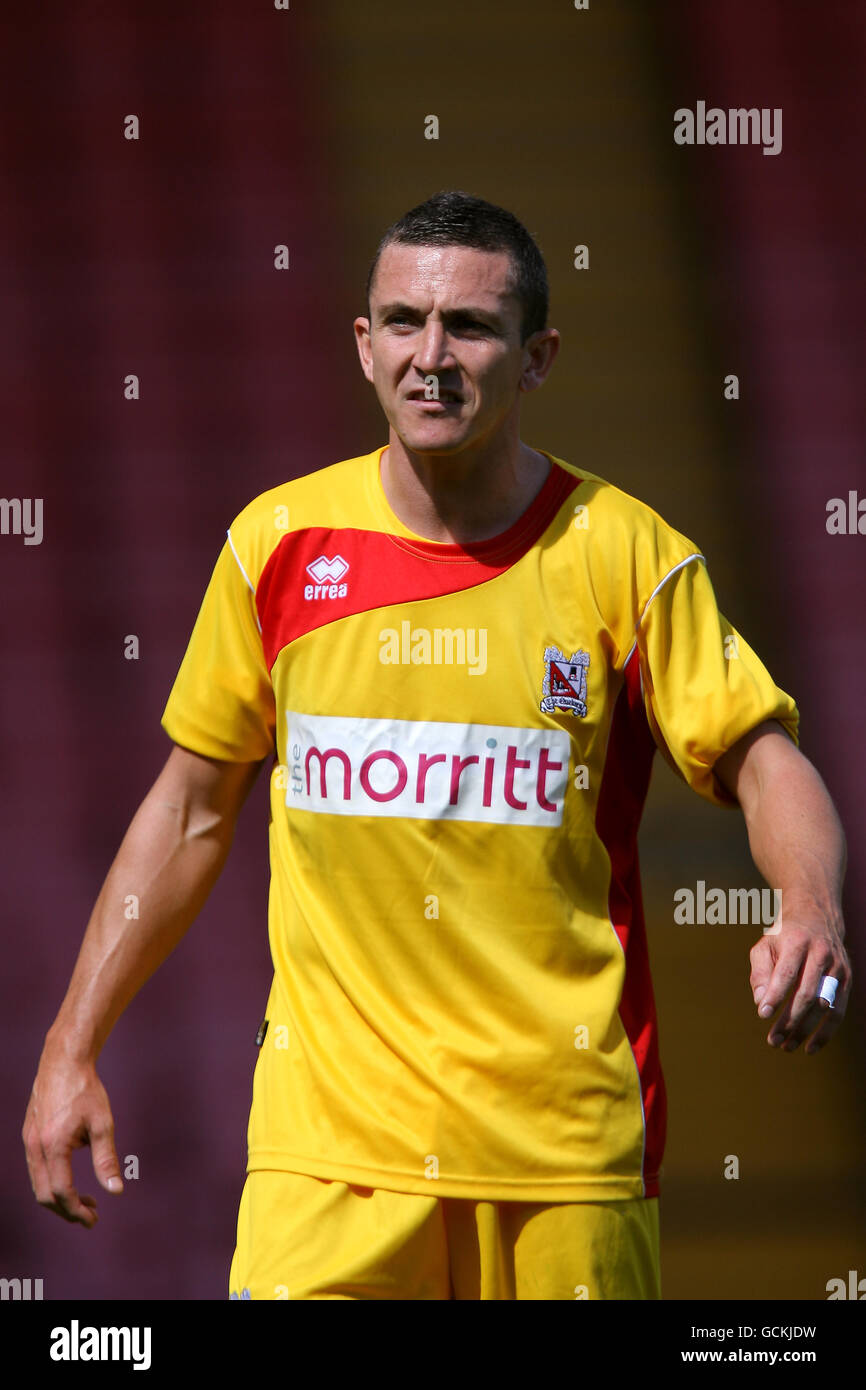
(466, 311)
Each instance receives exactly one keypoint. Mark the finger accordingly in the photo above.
(40, 1179)
(807, 1010)
(826, 1029)
(830, 1022)
(789, 1037)
(38, 1171)
(106, 1164)
(64, 1197)
(74, 1220)
(785, 971)
(45, 1197)
(803, 1010)
(762, 959)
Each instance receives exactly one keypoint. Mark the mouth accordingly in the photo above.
(445, 397)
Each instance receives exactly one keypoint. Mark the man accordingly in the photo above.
(463, 653)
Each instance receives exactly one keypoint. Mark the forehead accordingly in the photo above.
(445, 275)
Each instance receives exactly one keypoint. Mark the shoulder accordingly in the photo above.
(325, 489)
(622, 519)
(616, 554)
(327, 498)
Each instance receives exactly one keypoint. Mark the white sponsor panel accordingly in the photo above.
(402, 767)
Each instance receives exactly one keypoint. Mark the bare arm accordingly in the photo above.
(797, 843)
(170, 858)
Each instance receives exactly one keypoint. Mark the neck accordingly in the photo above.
(468, 496)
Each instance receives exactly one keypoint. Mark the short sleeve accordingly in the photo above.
(704, 687)
(222, 702)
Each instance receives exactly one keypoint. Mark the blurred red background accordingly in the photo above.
(155, 257)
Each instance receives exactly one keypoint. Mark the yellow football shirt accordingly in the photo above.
(462, 739)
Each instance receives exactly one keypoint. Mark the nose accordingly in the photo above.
(433, 352)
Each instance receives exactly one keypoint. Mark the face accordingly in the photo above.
(449, 313)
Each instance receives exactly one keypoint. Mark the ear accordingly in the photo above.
(541, 349)
(362, 341)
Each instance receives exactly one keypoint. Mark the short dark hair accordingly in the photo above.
(453, 218)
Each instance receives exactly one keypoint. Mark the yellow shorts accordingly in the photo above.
(304, 1237)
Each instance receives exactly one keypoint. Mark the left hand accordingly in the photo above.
(787, 967)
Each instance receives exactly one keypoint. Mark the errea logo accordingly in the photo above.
(322, 569)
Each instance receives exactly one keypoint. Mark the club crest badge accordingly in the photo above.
(564, 682)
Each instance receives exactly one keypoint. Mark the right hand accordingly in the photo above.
(68, 1109)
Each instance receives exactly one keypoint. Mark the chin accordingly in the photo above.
(433, 441)
(444, 447)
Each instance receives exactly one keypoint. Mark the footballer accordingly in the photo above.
(459, 655)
